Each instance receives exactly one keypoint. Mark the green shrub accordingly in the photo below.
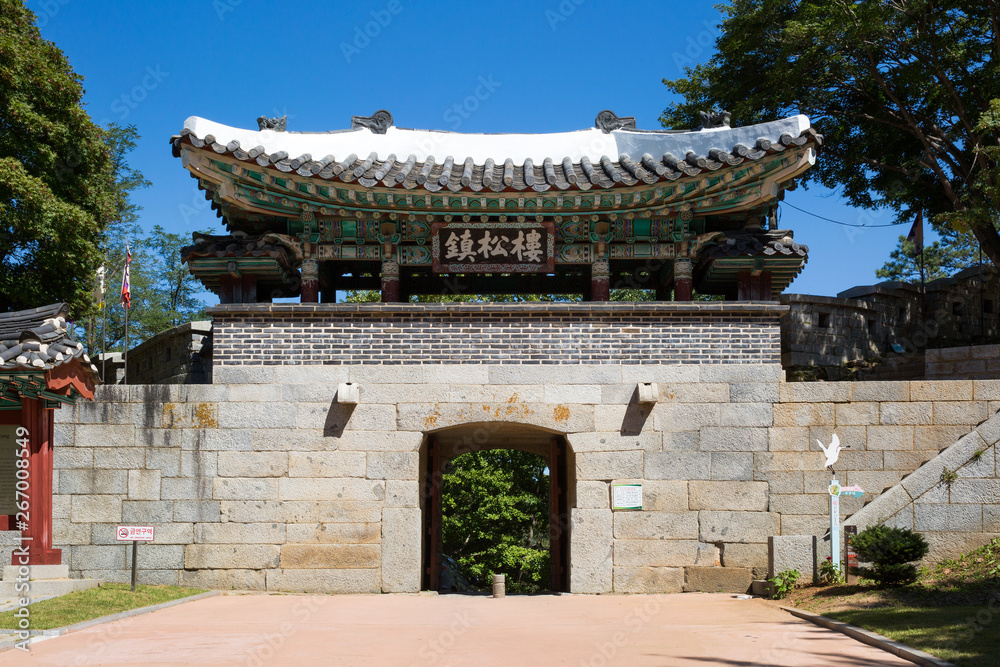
(891, 552)
(829, 572)
(783, 583)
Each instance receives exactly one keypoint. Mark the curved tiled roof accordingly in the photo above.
(394, 157)
(750, 245)
(279, 247)
(38, 340)
(271, 258)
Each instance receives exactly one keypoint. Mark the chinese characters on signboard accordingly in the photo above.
(492, 247)
(8, 479)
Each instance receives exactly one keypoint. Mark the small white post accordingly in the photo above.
(835, 524)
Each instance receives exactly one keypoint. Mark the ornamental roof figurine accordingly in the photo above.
(322, 210)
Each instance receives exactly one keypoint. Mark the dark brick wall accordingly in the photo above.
(586, 333)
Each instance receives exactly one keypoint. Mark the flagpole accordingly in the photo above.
(919, 243)
(104, 332)
(125, 353)
(126, 301)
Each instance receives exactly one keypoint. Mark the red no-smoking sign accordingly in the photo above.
(135, 533)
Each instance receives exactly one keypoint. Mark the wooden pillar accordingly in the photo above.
(238, 289)
(310, 281)
(36, 532)
(683, 283)
(556, 520)
(390, 281)
(328, 284)
(433, 506)
(600, 280)
(754, 286)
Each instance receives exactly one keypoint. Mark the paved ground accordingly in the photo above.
(310, 631)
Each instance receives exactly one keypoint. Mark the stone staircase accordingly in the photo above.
(952, 499)
(43, 581)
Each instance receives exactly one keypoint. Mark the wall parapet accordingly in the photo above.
(181, 355)
(892, 324)
(497, 334)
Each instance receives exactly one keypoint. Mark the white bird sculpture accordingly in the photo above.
(832, 451)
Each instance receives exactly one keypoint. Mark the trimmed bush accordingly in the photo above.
(891, 551)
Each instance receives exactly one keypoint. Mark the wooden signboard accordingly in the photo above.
(8, 469)
(493, 247)
(850, 555)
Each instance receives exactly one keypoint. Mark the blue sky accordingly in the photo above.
(467, 66)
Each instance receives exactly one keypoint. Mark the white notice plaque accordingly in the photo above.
(134, 533)
(627, 497)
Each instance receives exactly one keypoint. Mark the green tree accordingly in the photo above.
(891, 551)
(57, 184)
(940, 259)
(496, 518)
(904, 92)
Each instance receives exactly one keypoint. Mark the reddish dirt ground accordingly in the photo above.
(684, 629)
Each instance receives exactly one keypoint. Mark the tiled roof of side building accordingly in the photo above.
(38, 340)
(612, 154)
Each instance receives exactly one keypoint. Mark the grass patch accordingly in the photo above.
(951, 633)
(94, 603)
(952, 611)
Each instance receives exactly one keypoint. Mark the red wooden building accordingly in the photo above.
(41, 368)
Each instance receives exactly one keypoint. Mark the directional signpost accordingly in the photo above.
(835, 522)
(134, 534)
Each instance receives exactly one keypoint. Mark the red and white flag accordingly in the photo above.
(917, 234)
(126, 288)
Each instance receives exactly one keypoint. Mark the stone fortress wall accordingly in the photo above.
(887, 322)
(181, 355)
(265, 480)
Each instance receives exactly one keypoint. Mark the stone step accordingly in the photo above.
(717, 579)
(47, 587)
(37, 572)
(761, 587)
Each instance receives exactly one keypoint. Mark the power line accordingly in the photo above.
(838, 222)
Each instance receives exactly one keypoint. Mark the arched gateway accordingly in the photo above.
(635, 388)
(441, 446)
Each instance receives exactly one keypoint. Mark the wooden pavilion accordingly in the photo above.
(412, 212)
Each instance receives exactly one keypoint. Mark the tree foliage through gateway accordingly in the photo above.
(496, 518)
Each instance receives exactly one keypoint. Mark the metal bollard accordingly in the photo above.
(499, 586)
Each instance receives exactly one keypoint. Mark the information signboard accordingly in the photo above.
(8, 469)
(627, 497)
